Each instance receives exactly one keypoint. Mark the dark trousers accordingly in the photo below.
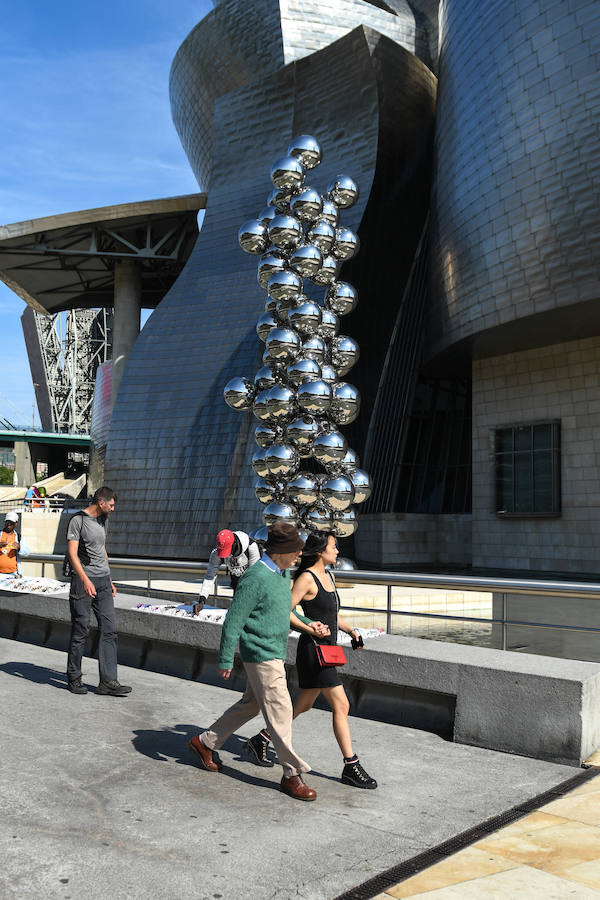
(104, 610)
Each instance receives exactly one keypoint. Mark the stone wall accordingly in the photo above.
(393, 540)
(559, 382)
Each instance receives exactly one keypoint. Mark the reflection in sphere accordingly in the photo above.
(270, 305)
(303, 490)
(329, 325)
(280, 200)
(285, 232)
(258, 462)
(328, 271)
(347, 465)
(345, 403)
(279, 512)
(306, 318)
(303, 369)
(319, 519)
(342, 191)
(281, 404)
(347, 244)
(307, 205)
(282, 460)
(283, 344)
(259, 407)
(265, 378)
(344, 353)
(239, 393)
(284, 285)
(282, 309)
(329, 447)
(306, 149)
(264, 434)
(345, 523)
(265, 325)
(314, 397)
(337, 493)
(330, 213)
(272, 261)
(302, 432)
(287, 174)
(341, 297)
(322, 235)
(265, 491)
(253, 236)
(259, 535)
(362, 485)
(268, 213)
(306, 260)
(343, 564)
(314, 348)
(328, 373)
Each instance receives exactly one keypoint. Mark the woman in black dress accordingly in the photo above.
(314, 588)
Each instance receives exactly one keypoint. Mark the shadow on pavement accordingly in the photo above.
(37, 674)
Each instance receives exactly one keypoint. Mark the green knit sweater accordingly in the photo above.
(259, 617)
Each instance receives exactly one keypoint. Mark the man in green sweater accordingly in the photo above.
(259, 617)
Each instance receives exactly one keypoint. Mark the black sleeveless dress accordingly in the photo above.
(322, 608)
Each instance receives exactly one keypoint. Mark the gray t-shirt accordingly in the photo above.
(91, 534)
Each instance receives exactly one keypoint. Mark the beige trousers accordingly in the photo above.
(267, 693)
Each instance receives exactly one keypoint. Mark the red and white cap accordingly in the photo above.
(225, 541)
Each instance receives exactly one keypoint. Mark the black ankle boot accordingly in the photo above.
(257, 751)
(355, 775)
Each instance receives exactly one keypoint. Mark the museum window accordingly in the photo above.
(527, 470)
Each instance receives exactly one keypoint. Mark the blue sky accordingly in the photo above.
(86, 122)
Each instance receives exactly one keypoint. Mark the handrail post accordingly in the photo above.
(388, 615)
(504, 623)
(148, 582)
(43, 569)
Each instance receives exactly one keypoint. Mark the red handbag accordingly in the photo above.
(330, 655)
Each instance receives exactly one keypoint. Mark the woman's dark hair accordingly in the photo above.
(314, 545)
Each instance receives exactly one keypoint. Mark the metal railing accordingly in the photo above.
(41, 504)
(503, 587)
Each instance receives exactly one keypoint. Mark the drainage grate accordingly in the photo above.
(415, 864)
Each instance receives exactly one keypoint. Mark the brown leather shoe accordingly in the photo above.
(296, 787)
(209, 760)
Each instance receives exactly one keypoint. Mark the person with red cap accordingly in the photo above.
(237, 551)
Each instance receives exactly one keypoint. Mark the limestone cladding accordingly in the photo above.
(558, 382)
(390, 540)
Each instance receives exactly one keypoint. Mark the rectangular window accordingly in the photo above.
(527, 470)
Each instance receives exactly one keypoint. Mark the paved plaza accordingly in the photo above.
(102, 798)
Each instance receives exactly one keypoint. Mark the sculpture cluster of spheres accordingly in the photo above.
(299, 396)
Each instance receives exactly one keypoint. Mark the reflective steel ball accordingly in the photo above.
(287, 174)
(328, 271)
(253, 236)
(281, 404)
(272, 261)
(341, 297)
(343, 564)
(258, 462)
(265, 491)
(302, 432)
(303, 490)
(344, 353)
(268, 213)
(345, 466)
(259, 407)
(330, 213)
(265, 434)
(307, 205)
(284, 285)
(342, 191)
(303, 369)
(362, 485)
(282, 460)
(285, 232)
(329, 325)
(347, 244)
(319, 519)
(260, 535)
(283, 344)
(279, 512)
(345, 403)
(314, 348)
(345, 523)
(306, 260)
(280, 200)
(314, 397)
(306, 318)
(329, 373)
(265, 378)
(337, 493)
(306, 149)
(329, 447)
(322, 235)
(265, 325)
(239, 393)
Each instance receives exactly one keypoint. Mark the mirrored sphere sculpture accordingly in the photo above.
(362, 486)
(264, 435)
(284, 285)
(285, 232)
(328, 373)
(258, 463)
(307, 205)
(280, 200)
(302, 432)
(337, 493)
(303, 489)
(347, 465)
(344, 353)
(342, 191)
(306, 149)
(314, 348)
(306, 318)
(265, 325)
(265, 491)
(283, 344)
(329, 325)
(282, 460)
(279, 512)
(346, 244)
(260, 535)
(239, 393)
(328, 271)
(341, 297)
(253, 236)
(259, 406)
(314, 396)
(281, 404)
(329, 447)
(322, 235)
(345, 403)
(345, 523)
(319, 519)
(303, 369)
(271, 261)
(306, 260)
(268, 213)
(287, 174)
(343, 564)
(330, 213)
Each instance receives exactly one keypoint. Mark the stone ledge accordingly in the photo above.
(538, 706)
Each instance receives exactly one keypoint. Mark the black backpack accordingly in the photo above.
(67, 568)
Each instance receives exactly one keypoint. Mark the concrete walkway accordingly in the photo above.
(102, 799)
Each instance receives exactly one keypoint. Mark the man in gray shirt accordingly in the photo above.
(92, 588)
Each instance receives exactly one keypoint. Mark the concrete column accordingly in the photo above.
(24, 464)
(126, 319)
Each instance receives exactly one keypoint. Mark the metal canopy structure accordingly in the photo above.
(67, 261)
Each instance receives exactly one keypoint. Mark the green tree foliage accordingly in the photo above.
(6, 475)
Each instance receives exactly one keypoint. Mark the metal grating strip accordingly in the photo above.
(415, 864)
